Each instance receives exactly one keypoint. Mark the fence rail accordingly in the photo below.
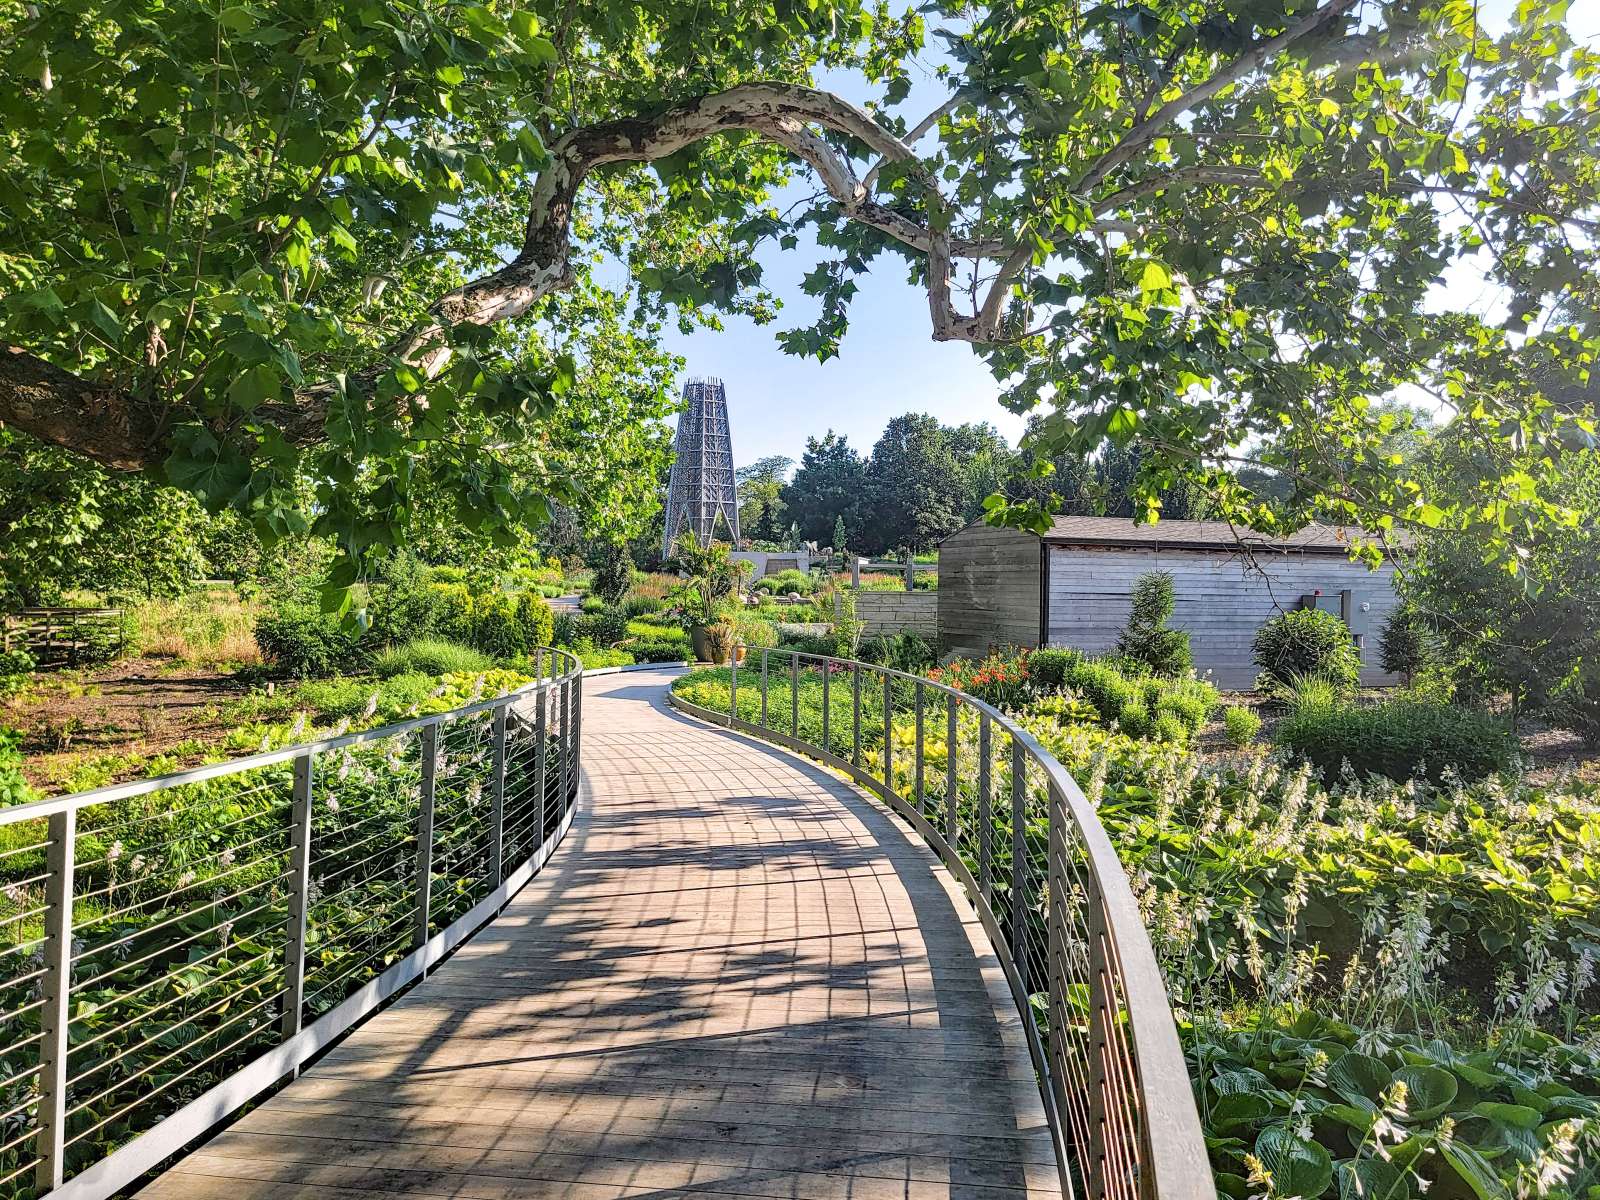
(56, 636)
(1009, 821)
(170, 948)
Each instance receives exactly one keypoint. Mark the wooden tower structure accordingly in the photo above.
(701, 492)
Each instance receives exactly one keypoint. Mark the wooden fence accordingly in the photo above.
(59, 636)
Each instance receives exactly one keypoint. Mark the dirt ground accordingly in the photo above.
(136, 707)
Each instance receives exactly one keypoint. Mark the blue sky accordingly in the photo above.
(888, 363)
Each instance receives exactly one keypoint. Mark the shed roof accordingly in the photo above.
(1193, 535)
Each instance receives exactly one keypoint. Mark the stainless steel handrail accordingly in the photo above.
(312, 883)
(1111, 1070)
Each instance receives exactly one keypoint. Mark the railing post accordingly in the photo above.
(888, 729)
(794, 696)
(918, 762)
(577, 737)
(541, 757)
(1058, 980)
(294, 966)
(566, 746)
(56, 988)
(763, 689)
(430, 765)
(1019, 860)
(497, 799)
(1100, 1018)
(855, 719)
(952, 825)
(855, 573)
(911, 570)
(827, 704)
(733, 685)
(985, 808)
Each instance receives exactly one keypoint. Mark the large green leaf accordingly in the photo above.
(1299, 1168)
(1429, 1090)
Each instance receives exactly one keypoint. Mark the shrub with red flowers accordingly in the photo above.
(999, 679)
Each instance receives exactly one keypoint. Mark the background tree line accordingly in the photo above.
(923, 480)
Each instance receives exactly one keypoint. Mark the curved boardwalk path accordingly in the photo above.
(737, 977)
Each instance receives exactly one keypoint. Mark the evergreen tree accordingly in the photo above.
(1146, 636)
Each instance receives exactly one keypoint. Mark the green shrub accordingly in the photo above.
(441, 610)
(636, 605)
(1307, 641)
(16, 662)
(494, 627)
(14, 788)
(303, 641)
(1403, 647)
(613, 573)
(537, 620)
(603, 626)
(1188, 706)
(1048, 667)
(430, 656)
(1168, 728)
(1134, 717)
(1146, 637)
(593, 657)
(564, 629)
(656, 631)
(15, 666)
(1101, 684)
(658, 650)
(754, 631)
(340, 697)
(905, 651)
(784, 582)
(1240, 725)
(1400, 739)
(1575, 703)
(807, 642)
(591, 604)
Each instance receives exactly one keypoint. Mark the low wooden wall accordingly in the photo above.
(898, 612)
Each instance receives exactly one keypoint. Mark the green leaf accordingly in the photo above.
(1519, 1116)
(1429, 1090)
(1155, 278)
(1475, 1171)
(1372, 1179)
(1299, 1167)
(255, 385)
(1359, 1078)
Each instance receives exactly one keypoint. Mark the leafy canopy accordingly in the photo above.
(245, 245)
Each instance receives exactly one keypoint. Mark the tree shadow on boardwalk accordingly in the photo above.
(738, 977)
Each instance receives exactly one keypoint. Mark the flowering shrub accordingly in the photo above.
(1000, 680)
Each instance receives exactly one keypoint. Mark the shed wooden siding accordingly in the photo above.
(898, 612)
(1217, 598)
(989, 589)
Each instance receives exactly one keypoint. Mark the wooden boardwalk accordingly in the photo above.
(737, 977)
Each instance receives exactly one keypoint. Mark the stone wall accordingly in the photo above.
(897, 612)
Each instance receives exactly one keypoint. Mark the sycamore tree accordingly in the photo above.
(244, 244)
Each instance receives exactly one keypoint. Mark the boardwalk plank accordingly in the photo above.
(738, 978)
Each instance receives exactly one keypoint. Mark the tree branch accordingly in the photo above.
(1144, 132)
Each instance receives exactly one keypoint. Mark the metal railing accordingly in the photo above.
(1009, 821)
(173, 947)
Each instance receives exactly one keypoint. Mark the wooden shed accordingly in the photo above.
(1072, 587)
